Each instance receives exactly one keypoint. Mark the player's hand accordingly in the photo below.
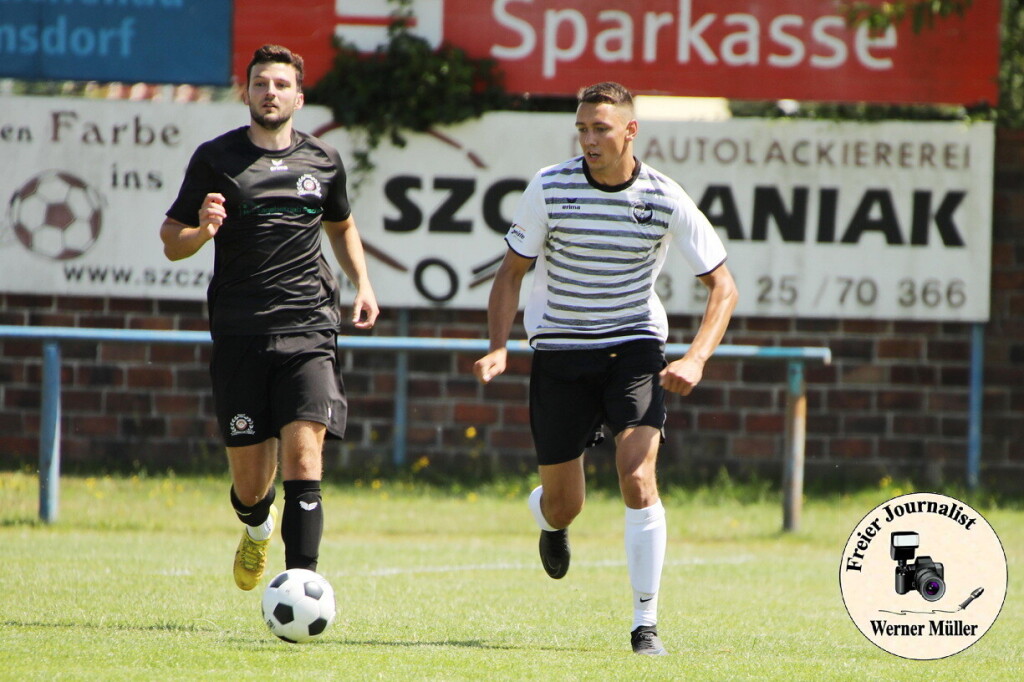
(681, 376)
(212, 214)
(365, 309)
(490, 365)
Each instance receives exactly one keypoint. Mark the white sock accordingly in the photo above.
(262, 531)
(534, 504)
(645, 556)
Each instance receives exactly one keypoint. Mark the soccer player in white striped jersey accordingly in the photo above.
(597, 227)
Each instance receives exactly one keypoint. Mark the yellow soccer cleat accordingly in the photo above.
(251, 557)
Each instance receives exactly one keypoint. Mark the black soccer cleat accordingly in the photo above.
(554, 552)
(646, 642)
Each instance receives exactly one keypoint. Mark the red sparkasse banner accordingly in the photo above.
(304, 26)
(738, 49)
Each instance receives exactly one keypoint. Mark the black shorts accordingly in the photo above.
(261, 383)
(574, 392)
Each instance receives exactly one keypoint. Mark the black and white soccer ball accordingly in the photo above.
(298, 605)
(56, 215)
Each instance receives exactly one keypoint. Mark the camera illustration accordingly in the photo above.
(923, 575)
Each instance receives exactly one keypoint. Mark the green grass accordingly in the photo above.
(133, 582)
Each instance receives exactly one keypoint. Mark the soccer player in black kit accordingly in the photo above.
(263, 192)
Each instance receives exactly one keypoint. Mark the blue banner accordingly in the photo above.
(151, 41)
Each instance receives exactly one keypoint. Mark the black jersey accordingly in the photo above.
(269, 275)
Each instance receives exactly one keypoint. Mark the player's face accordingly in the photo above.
(273, 94)
(605, 133)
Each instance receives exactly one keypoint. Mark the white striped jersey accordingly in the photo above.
(599, 250)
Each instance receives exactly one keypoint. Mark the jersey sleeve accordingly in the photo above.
(529, 222)
(336, 204)
(695, 237)
(199, 181)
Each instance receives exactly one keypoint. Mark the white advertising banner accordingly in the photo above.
(821, 219)
(84, 189)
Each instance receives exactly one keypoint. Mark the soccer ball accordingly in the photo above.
(298, 605)
(56, 215)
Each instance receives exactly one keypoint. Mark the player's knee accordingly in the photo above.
(639, 487)
(250, 494)
(561, 513)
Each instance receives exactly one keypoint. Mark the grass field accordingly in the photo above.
(133, 582)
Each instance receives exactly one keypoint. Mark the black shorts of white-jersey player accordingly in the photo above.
(263, 193)
(597, 227)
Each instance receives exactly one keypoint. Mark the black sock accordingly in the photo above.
(256, 514)
(302, 524)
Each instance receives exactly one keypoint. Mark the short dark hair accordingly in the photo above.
(276, 54)
(605, 93)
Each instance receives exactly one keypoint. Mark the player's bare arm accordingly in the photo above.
(682, 375)
(181, 240)
(502, 307)
(348, 250)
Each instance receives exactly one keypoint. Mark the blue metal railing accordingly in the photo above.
(52, 337)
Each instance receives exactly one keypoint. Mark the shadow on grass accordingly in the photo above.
(272, 643)
(373, 643)
(152, 627)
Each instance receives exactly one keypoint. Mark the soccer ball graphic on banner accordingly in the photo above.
(298, 605)
(56, 215)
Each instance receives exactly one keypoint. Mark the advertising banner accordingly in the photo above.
(736, 49)
(149, 41)
(820, 219)
(84, 191)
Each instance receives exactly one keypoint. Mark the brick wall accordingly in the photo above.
(894, 401)
(1003, 425)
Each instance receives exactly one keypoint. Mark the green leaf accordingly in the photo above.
(406, 85)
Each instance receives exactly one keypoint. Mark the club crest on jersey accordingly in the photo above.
(642, 212)
(242, 424)
(307, 184)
